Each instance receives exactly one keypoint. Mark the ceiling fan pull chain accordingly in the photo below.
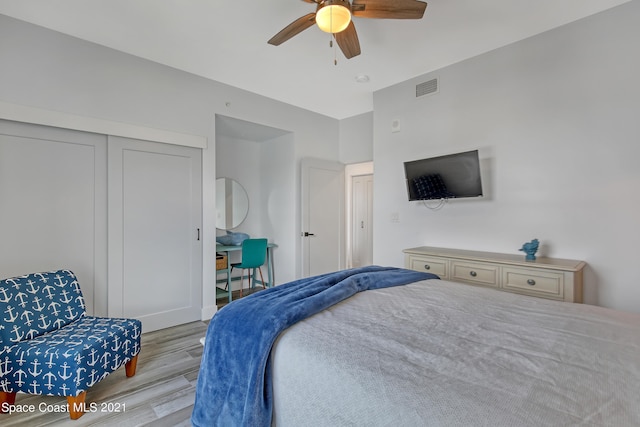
(333, 36)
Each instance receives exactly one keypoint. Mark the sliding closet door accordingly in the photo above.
(53, 205)
(155, 251)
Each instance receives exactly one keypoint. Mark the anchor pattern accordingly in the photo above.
(37, 303)
(49, 345)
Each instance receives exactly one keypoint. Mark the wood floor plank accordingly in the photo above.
(174, 402)
(161, 393)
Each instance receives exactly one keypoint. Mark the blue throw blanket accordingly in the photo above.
(234, 383)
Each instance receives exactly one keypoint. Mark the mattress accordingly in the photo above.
(448, 354)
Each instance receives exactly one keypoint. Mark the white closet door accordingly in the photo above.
(53, 205)
(155, 215)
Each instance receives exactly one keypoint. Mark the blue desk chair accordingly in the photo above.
(254, 253)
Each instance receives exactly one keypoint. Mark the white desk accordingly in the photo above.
(228, 250)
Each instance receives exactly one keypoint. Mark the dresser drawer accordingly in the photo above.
(479, 274)
(538, 283)
(429, 265)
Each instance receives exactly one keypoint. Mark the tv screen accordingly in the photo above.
(444, 177)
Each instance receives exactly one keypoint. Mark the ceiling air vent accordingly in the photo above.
(427, 88)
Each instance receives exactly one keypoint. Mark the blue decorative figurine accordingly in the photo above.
(530, 248)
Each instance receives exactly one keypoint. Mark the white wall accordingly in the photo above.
(51, 71)
(280, 206)
(240, 160)
(556, 120)
(356, 139)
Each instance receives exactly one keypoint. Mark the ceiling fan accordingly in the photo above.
(334, 16)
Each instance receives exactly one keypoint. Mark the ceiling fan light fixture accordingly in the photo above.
(333, 16)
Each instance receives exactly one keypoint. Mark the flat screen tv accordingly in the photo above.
(454, 176)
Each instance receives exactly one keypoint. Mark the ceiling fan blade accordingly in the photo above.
(348, 41)
(296, 27)
(388, 9)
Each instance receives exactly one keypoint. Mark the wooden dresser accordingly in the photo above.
(559, 279)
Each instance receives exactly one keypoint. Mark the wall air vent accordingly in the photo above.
(427, 88)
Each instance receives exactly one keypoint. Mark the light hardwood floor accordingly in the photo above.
(161, 393)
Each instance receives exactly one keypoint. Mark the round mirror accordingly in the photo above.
(232, 203)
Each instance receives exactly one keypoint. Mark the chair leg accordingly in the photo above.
(264, 285)
(242, 281)
(130, 366)
(6, 400)
(226, 285)
(76, 405)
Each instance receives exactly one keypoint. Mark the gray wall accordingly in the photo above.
(51, 71)
(556, 119)
(356, 139)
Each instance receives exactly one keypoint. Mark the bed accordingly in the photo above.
(434, 352)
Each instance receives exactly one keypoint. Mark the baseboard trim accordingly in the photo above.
(208, 312)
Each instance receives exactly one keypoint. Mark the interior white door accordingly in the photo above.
(322, 187)
(362, 220)
(155, 251)
(53, 205)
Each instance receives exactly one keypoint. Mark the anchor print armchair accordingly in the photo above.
(49, 346)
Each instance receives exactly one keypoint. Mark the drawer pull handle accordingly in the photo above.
(473, 273)
(427, 267)
(531, 282)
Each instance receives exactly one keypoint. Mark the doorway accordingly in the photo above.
(359, 214)
(262, 159)
(361, 220)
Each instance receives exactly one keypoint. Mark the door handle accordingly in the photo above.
(307, 234)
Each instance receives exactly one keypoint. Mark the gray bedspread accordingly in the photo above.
(438, 353)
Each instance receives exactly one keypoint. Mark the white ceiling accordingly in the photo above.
(226, 41)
